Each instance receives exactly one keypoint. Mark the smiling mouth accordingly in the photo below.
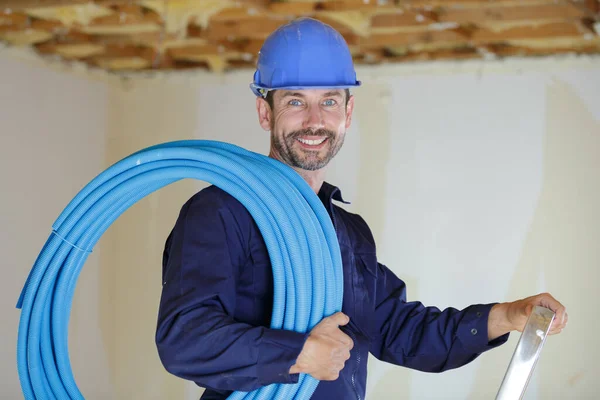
(312, 142)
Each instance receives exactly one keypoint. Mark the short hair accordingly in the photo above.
(271, 93)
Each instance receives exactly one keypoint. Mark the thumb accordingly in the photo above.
(339, 318)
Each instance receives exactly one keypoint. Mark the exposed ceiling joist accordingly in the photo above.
(222, 35)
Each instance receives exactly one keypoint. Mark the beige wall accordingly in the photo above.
(52, 142)
(479, 180)
(490, 196)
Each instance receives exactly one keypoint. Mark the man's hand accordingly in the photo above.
(507, 317)
(326, 349)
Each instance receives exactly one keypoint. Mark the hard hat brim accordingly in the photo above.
(261, 91)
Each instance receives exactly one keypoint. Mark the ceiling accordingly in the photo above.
(222, 35)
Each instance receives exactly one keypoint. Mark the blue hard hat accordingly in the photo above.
(304, 54)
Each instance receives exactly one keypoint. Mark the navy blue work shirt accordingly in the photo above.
(217, 298)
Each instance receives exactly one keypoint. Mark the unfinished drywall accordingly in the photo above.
(52, 142)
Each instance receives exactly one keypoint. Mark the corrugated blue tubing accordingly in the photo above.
(300, 238)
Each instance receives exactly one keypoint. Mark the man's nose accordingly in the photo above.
(314, 119)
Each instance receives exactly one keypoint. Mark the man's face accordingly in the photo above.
(307, 127)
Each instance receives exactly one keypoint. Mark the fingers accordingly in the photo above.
(333, 375)
(338, 362)
(341, 352)
(560, 321)
(561, 317)
(327, 349)
(546, 300)
(331, 363)
(336, 320)
(340, 355)
(344, 339)
(350, 344)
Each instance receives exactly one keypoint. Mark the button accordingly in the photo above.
(478, 314)
(474, 331)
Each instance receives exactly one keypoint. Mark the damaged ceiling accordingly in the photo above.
(221, 35)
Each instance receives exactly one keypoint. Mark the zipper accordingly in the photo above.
(347, 330)
(353, 379)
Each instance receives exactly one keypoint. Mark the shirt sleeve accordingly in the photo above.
(197, 337)
(427, 338)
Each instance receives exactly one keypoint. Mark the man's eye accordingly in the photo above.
(295, 103)
(330, 102)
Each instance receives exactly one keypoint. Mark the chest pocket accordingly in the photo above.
(364, 275)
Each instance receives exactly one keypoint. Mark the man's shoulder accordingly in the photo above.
(213, 197)
(214, 192)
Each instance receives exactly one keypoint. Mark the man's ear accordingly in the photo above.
(349, 110)
(265, 115)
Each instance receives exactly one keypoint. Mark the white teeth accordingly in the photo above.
(312, 142)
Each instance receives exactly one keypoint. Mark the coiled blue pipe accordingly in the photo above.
(297, 230)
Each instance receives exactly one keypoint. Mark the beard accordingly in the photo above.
(310, 160)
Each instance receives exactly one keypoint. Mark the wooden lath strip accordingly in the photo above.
(131, 57)
(292, 8)
(184, 51)
(71, 51)
(559, 42)
(414, 37)
(24, 4)
(522, 49)
(123, 63)
(495, 13)
(354, 5)
(252, 27)
(472, 3)
(26, 37)
(550, 30)
(459, 53)
(403, 18)
(74, 15)
(234, 14)
(13, 20)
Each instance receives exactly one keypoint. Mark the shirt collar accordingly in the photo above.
(328, 193)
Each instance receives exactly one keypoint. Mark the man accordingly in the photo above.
(218, 286)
